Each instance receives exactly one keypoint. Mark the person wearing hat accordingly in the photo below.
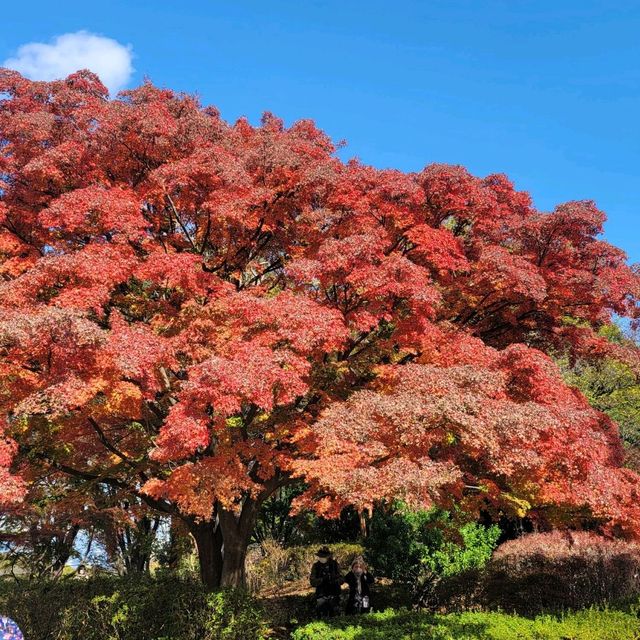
(359, 580)
(326, 578)
(9, 630)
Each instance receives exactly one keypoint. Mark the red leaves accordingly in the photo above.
(255, 375)
(499, 272)
(532, 376)
(438, 248)
(557, 546)
(81, 280)
(136, 353)
(12, 488)
(95, 211)
(180, 271)
(430, 430)
(290, 319)
(184, 431)
(222, 305)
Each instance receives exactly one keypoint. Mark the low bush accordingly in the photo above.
(560, 570)
(112, 608)
(420, 548)
(404, 625)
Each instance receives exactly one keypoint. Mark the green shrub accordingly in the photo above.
(421, 547)
(232, 614)
(111, 608)
(276, 523)
(405, 625)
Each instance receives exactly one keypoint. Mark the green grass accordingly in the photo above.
(589, 624)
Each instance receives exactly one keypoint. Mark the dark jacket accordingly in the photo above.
(326, 578)
(354, 604)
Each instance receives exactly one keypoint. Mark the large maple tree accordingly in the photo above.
(194, 313)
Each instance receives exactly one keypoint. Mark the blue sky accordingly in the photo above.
(546, 92)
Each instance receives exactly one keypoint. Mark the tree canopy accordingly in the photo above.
(194, 313)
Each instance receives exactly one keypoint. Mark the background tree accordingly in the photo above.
(613, 387)
(129, 533)
(39, 535)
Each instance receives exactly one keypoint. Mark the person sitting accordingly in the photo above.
(326, 578)
(359, 580)
(9, 630)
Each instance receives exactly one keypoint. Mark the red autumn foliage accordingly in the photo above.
(198, 311)
(561, 570)
(557, 546)
(546, 572)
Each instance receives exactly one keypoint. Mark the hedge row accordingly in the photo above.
(548, 572)
(111, 608)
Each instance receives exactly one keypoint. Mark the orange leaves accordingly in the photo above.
(61, 399)
(259, 307)
(122, 400)
(196, 487)
(136, 352)
(184, 431)
(430, 430)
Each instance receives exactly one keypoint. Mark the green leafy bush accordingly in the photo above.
(110, 608)
(232, 614)
(421, 547)
(405, 625)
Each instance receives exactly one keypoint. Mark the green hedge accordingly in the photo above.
(111, 608)
(589, 624)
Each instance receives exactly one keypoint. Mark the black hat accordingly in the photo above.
(323, 552)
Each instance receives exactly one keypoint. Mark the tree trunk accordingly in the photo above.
(178, 540)
(236, 533)
(233, 565)
(363, 524)
(144, 536)
(208, 538)
(237, 527)
(62, 551)
(135, 544)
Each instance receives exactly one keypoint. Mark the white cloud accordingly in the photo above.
(73, 51)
